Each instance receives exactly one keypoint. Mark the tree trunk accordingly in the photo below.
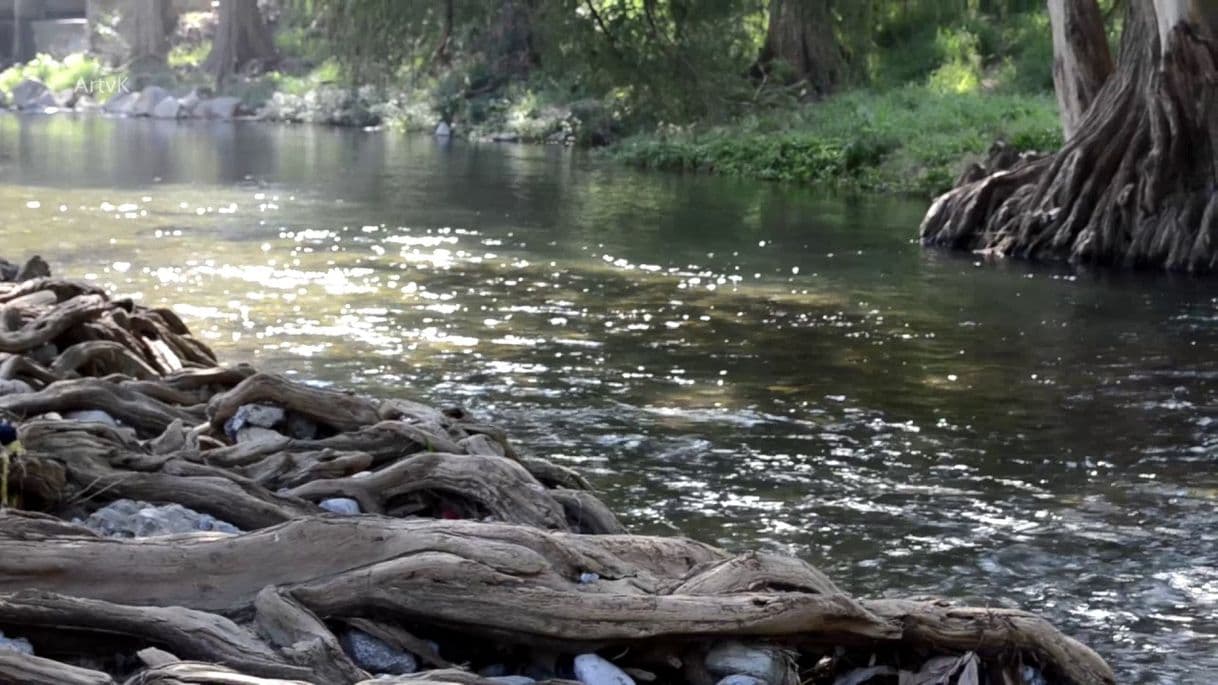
(441, 55)
(512, 39)
(801, 35)
(145, 26)
(1134, 186)
(241, 37)
(1081, 59)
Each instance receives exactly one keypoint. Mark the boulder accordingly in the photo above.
(258, 434)
(443, 130)
(374, 655)
(189, 102)
(86, 103)
(122, 103)
(169, 108)
(260, 415)
(29, 93)
(511, 679)
(591, 669)
(127, 518)
(224, 108)
(147, 101)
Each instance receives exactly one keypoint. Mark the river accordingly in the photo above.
(751, 365)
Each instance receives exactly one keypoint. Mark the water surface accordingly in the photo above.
(747, 364)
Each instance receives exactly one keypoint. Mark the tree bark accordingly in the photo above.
(512, 39)
(146, 25)
(1134, 186)
(241, 37)
(801, 35)
(466, 553)
(1082, 61)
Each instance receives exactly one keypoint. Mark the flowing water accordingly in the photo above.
(747, 364)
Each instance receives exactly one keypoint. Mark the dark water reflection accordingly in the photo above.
(747, 364)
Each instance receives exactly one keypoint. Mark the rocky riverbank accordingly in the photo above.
(360, 107)
(172, 519)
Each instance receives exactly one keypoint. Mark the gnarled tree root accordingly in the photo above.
(467, 555)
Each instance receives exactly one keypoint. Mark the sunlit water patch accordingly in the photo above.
(746, 364)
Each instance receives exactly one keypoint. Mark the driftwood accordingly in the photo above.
(467, 555)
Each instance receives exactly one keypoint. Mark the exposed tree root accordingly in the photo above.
(467, 555)
(1134, 185)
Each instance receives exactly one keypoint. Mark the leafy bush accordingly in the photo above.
(188, 56)
(57, 76)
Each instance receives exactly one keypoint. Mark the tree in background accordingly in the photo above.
(1082, 61)
(145, 26)
(802, 36)
(1134, 184)
(242, 36)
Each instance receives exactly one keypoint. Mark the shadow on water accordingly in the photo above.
(747, 364)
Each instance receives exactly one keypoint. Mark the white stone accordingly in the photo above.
(127, 518)
(91, 415)
(736, 658)
(443, 130)
(259, 415)
(340, 505)
(741, 680)
(591, 669)
(258, 434)
(14, 386)
(15, 644)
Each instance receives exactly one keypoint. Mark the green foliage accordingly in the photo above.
(961, 68)
(911, 139)
(189, 56)
(56, 75)
(327, 73)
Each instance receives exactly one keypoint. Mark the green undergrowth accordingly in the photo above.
(73, 71)
(913, 139)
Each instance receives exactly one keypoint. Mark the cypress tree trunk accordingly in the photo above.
(511, 44)
(801, 35)
(1081, 59)
(241, 37)
(145, 25)
(1135, 185)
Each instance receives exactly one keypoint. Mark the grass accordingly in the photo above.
(913, 139)
(189, 56)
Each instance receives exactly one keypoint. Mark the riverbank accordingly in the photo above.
(449, 530)
(908, 140)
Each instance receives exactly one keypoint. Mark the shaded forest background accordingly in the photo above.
(873, 94)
